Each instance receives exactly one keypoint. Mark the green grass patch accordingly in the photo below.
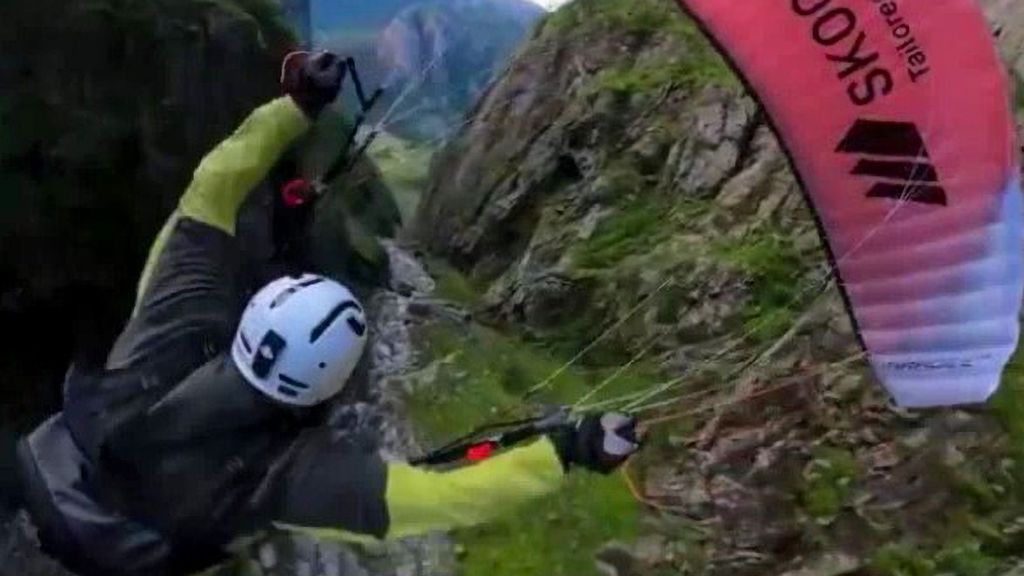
(774, 266)
(967, 559)
(979, 491)
(480, 376)
(631, 229)
(828, 478)
(901, 560)
(697, 62)
(1007, 406)
(578, 332)
(404, 167)
(453, 285)
(482, 373)
(556, 536)
(640, 220)
(1008, 403)
(683, 72)
(959, 559)
(641, 17)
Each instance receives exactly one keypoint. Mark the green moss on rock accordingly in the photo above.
(649, 77)
(966, 558)
(828, 479)
(775, 268)
(1007, 406)
(901, 560)
(629, 230)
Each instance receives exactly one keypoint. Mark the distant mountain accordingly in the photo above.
(467, 40)
(463, 43)
(332, 18)
(351, 28)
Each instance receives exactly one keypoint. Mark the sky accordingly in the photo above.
(550, 4)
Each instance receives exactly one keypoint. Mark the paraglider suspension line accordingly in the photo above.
(345, 160)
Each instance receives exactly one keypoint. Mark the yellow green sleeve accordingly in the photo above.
(420, 501)
(228, 173)
(332, 492)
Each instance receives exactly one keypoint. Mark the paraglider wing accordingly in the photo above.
(896, 116)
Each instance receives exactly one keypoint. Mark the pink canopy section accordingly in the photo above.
(896, 116)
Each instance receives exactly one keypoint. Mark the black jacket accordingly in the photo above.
(163, 458)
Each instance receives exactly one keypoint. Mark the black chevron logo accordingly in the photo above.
(896, 158)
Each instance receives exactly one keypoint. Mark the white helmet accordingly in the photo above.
(299, 339)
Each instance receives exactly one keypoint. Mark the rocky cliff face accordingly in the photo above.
(617, 196)
(1008, 22)
(587, 179)
(106, 110)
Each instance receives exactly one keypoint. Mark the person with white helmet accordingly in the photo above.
(299, 339)
(206, 424)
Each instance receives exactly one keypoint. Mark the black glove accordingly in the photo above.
(312, 80)
(600, 442)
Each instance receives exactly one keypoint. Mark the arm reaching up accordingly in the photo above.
(228, 173)
(188, 287)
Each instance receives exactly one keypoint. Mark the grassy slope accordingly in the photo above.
(404, 166)
(479, 376)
